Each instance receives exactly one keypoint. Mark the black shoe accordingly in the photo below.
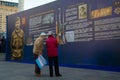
(58, 75)
(51, 75)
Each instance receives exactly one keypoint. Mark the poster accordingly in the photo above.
(82, 11)
(91, 23)
(24, 27)
(92, 30)
(42, 22)
(88, 30)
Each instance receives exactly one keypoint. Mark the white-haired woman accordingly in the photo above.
(38, 50)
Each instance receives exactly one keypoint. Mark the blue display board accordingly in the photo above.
(92, 30)
(32, 23)
(89, 32)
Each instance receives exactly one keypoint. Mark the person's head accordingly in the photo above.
(43, 35)
(17, 23)
(50, 33)
(82, 9)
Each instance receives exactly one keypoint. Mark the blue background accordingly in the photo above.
(104, 55)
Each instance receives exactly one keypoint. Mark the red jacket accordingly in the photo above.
(52, 46)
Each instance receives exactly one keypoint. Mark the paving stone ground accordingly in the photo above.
(22, 71)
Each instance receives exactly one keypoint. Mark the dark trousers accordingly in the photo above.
(37, 69)
(54, 60)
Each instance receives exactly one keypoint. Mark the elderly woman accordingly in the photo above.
(52, 52)
(38, 50)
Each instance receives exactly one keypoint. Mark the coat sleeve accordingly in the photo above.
(56, 42)
(41, 47)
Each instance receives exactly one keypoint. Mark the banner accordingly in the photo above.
(88, 29)
(23, 28)
(92, 31)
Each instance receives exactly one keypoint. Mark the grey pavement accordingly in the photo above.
(22, 71)
(2, 56)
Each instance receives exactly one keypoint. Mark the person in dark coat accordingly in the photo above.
(52, 52)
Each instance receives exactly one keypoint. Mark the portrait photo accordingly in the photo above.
(82, 11)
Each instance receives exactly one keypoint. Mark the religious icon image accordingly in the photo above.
(17, 41)
(82, 11)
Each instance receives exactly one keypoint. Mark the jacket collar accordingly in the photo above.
(50, 36)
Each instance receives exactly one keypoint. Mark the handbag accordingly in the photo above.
(41, 61)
